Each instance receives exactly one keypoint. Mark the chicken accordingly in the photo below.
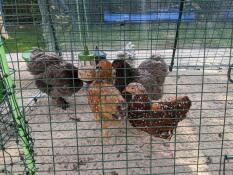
(128, 54)
(158, 118)
(151, 73)
(54, 76)
(105, 100)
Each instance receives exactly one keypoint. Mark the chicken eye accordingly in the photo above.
(98, 68)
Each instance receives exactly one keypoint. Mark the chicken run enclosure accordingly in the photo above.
(116, 87)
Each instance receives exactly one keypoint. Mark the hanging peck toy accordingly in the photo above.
(87, 65)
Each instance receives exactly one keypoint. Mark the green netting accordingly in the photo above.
(14, 130)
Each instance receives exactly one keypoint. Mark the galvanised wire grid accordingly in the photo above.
(195, 35)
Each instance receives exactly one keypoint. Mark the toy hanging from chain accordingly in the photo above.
(86, 65)
(87, 60)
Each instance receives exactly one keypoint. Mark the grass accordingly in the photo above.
(111, 36)
(24, 37)
(162, 35)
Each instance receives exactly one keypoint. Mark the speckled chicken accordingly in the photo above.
(54, 76)
(158, 118)
(105, 101)
(151, 73)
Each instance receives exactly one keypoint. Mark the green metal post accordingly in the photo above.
(226, 157)
(18, 117)
(1, 89)
(177, 33)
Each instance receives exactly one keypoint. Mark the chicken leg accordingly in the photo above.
(61, 102)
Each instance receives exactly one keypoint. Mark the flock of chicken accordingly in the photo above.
(131, 93)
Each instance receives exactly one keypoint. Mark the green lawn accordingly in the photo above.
(24, 37)
(111, 36)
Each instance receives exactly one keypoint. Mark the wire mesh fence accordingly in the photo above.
(16, 142)
(66, 123)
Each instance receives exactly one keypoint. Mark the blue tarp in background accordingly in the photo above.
(228, 14)
(163, 15)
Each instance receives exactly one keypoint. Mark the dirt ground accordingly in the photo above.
(68, 142)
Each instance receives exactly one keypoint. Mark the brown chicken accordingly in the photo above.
(105, 100)
(151, 73)
(158, 118)
(54, 76)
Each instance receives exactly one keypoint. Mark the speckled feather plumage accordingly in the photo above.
(158, 118)
(105, 100)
